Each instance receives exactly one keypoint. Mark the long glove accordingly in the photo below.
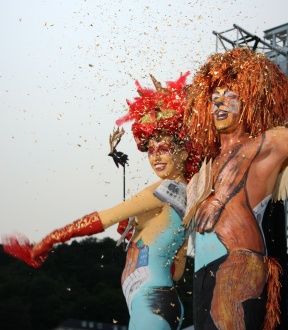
(21, 248)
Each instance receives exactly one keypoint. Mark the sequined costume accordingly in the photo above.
(146, 279)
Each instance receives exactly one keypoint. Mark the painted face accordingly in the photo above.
(225, 109)
(165, 158)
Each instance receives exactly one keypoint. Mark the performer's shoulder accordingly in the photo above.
(166, 184)
(153, 186)
(276, 135)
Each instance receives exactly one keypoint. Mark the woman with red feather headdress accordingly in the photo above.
(158, 234)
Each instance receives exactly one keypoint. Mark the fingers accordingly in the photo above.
(200, 223)
(206, 221)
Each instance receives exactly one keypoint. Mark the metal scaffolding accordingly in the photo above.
(274, 45)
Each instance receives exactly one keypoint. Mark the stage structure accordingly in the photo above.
(274, 43)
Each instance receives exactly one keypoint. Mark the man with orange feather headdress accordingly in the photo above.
(237, 114)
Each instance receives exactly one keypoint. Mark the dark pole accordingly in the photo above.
(119, 157)
(124, 176)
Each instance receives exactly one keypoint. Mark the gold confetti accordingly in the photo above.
(156, 311)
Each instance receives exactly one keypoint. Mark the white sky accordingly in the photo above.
(66, 69)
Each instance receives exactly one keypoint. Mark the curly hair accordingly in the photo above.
(262, 88)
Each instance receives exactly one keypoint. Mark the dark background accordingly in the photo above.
(78, 281)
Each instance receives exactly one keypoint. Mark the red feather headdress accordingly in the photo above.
(161, 111)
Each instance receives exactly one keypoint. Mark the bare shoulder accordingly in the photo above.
(275, 146)
(277, 140)
(153, 186)
(266, 166)
(276, 133)
(147, 192)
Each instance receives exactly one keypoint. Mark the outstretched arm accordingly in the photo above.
(90, 224)
(142, 202)
(95, 222)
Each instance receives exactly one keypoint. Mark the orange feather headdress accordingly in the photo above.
(262, 88)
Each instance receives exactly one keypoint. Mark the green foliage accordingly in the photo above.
(80, 281)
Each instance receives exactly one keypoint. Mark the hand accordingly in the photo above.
(122, 225)
(19, 246)
(208, 214)
(40, 251)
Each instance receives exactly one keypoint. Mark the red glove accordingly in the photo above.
(35, 255)
(121, 228)
(19, 247)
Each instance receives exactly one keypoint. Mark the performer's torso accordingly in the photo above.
(150, 265)
(237, 226)
(208, 247)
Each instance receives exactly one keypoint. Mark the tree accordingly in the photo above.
(80, 281)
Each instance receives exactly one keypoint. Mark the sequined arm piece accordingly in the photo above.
(88, 225)
(20, 247)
